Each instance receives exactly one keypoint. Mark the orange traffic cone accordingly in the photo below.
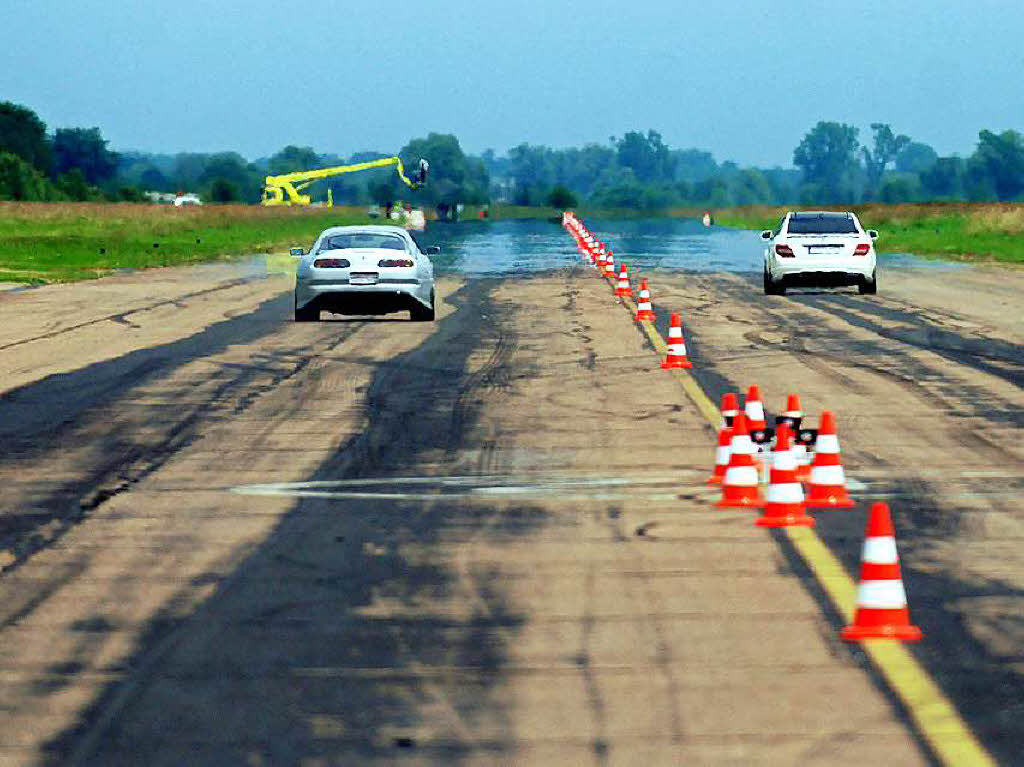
(753, 408)
(609, 265)
(794, 415)
(599, 257)
(881, 600)
(623, 289)
(675, 351)
(784, 499)
(827, 486)
(740, 484)
(644, 310)
(722, 453)
(730, 407)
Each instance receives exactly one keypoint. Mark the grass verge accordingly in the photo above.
(61, 242)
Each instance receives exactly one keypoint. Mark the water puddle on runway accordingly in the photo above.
(481, 249)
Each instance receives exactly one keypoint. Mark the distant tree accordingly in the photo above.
(383, 193)
(224, 190)
(20, 181)
(188, 168)
(232, 167)
(625, 194)
(827, 156)
(23, 134)
(900, 187)
(364, 156)
(694, 165)
(291, 159)
(999, 158)
(454, 178)
(751, 188)
(580, 168)
(785, 184)
(153, 180)
(916, 157)
(532, 171)
(713, 191)
(647, 156)
(561, 197)
(83, 149)
(129, 194)
(945, 178)
(76, 186)
(886, 148)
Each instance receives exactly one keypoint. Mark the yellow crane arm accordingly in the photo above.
(285, 189)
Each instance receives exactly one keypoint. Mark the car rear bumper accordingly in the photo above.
(846, 272)
(381, 297)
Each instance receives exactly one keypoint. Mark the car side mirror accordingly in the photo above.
(872, 234)
(297, 252)
(433, 250)
(766, 234)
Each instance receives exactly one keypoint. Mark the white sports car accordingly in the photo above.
(819, 248)
(364, 270)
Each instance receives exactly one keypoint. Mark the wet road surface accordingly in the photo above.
(227, 538)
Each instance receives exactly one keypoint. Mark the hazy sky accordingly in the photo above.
(744, 80)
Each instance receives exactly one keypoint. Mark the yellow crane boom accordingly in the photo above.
(286, 189)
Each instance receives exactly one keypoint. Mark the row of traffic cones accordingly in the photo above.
(881, 600)
(602, 257)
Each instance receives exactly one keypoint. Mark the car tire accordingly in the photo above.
(771, 287)
(308, 313)
(420, 313)
(868, 287)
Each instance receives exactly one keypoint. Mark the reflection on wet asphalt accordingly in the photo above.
(510, 247)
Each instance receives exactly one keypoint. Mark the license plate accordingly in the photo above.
(357, 278)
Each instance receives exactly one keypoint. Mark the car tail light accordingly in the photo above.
(784, 250)
(862, 249)
(394, 262)
(332, 263)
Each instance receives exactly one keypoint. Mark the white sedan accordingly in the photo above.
(364, 270)
(819, 249)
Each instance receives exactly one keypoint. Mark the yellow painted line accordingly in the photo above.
(933, 714)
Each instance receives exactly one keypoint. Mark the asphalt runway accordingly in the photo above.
(232, 539)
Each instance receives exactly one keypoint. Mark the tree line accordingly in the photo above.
(637, 170)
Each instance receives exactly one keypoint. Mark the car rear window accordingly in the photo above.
(821, 224)
(362, 240)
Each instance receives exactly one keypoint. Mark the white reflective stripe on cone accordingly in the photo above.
(741, 476)
(791, 492)
(827, 475)
(742, 443)
(827, 443)
(722, 455)
(755, 411)
(784, 461)
(676, 350)
(879, 551)
(881, 595)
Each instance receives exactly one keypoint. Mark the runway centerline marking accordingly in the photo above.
(933, 714)
(470, 487)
